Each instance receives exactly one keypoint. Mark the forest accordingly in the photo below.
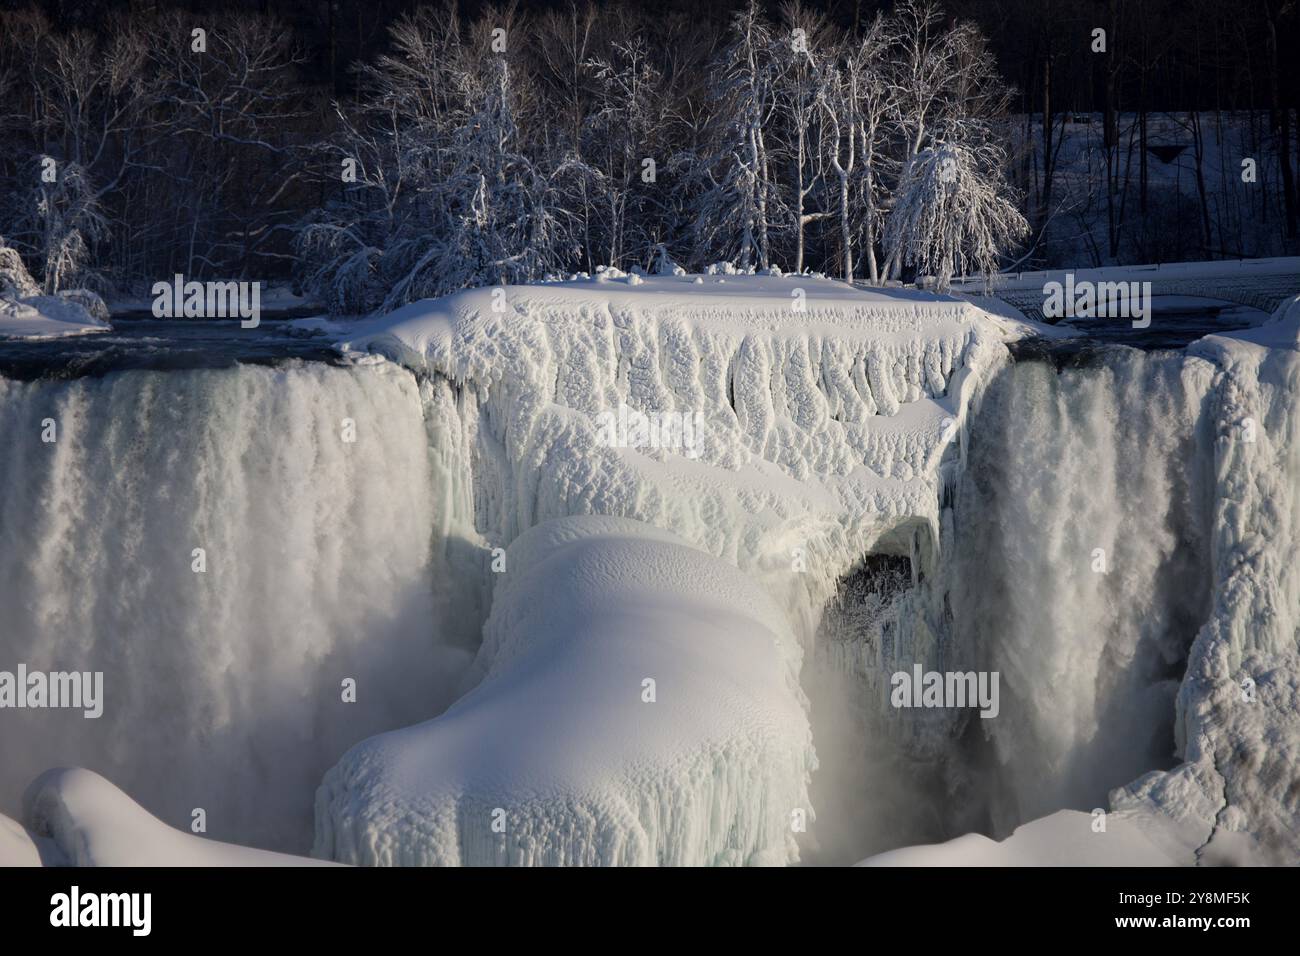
(378, 152)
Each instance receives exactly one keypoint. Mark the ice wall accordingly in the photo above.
(1122, 548)
(1238, 713)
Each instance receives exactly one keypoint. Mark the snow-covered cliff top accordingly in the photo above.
(818, 414)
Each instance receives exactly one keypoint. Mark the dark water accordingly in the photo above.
(1173, 327)
(139, 341)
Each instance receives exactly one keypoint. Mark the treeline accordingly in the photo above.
(422, 151)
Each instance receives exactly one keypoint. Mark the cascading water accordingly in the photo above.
(1080, 570)
(223, 687)
(1076, 564)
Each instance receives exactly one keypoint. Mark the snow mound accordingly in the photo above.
(1066, 838)
(76, 312)
(75, 817)
(564, 754)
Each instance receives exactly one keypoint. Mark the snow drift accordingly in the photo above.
(640, 705)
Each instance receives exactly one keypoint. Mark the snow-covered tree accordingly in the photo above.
(70, 221)
(953, 213)
(944, 88)
(801, 55)
(855, 104)
(15, 281)
(445, 188)
(499, 214)
(618, 137)
(733, 215)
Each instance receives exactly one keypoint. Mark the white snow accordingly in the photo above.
(77, 818)
(1066, 838)
(559, 745)
(45, 317)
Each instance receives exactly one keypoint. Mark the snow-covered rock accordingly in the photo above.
(640, 704)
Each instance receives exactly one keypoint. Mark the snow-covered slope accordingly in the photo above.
(1066, 838)
(640, 704)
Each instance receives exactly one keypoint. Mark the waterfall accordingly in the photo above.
(223, 687)
(1080, 570)
(1076, 563)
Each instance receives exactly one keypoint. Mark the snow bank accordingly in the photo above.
(77, 818)
(559, 756)
(49, 316)
(26, 314)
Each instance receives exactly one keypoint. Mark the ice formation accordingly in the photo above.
(639, 704)
(1238, 713)
(839, 433)
(77, 818)
(876, 485)
(827, 411)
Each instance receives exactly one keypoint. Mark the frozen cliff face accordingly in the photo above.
(787, 424)
(1238, 723)
(639, 705)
